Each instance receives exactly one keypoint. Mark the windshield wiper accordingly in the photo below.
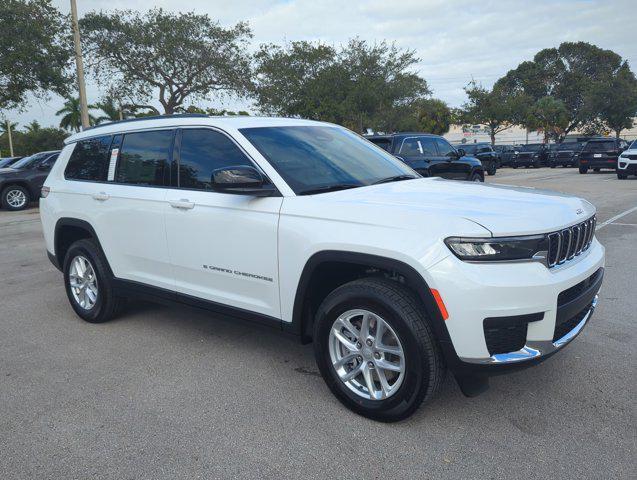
(395, 178)
(328, 188)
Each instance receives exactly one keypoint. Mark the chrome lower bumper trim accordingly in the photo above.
(534, 349)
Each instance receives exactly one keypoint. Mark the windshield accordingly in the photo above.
(532, 147)
(633, 146)
(600, 146)
(467, 148)
(6, 162)
(313, 158)
(575, 146)
(27, 162)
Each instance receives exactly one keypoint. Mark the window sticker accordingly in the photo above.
(112, 164)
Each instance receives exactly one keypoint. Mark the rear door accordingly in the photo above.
(223, 246)
(129, 207)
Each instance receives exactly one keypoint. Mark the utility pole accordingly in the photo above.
(80, 66)
(10, 139)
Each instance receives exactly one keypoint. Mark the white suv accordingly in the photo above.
(314, 230)
(627, 162)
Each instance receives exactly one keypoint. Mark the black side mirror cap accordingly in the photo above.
(242, 180)
(461, 152)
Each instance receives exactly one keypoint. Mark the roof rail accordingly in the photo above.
(153, 117)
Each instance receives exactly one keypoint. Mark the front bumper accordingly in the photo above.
(475, 293)
(629, 167)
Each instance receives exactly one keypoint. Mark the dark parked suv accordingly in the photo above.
(505, 153)
(431, 155)
(565, 154)
(21, 183)
(485, 153)
(531, 155)
(601, 153)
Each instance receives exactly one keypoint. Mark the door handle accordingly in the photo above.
(182, 204)
(101, 197)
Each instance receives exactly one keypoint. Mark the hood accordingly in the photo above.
(7, 170)
(503, 210)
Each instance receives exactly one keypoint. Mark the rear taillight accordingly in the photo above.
(45, 192)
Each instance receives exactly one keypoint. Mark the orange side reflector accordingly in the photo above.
(440, 303)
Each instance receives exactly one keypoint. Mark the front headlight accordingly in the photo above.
(532, 247)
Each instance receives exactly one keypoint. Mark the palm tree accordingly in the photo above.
(113, 110)
(72, 119)
(3, 127)
(33, 127)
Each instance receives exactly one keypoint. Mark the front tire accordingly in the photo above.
(15, 198)
(476, 177)
(375, 349)
(622, 176)
(89, 283)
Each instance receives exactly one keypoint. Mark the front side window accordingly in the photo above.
(417, 147)
(444, 149)
(313, 158)
(201, 152)
(143, 158)
(89, 160)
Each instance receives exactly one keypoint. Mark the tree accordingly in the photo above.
(498, 109)
(113, 110)
(36, 51)
(433, 116)
(574, 73)
(616, 102)
(357, 85)
(4, 128)
(548, 116)
(30, 142)
(33, 127)
(172, 56)
(72, 115)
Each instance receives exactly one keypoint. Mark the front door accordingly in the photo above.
(223, 246)
(448, 165)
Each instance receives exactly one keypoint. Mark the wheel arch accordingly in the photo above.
(69, 230)
(353, 263)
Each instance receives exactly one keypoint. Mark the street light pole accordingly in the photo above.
(79, 65)
(10, 139)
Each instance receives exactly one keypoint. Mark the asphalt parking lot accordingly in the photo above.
(175, 393)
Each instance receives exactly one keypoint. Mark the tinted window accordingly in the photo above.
(381, 142)
(30, 162)
(89, 160)
(203, 151)
(417, 147)
(600, 146)
(143, 158)
(317, 157)
(444, 149)
(634, 145)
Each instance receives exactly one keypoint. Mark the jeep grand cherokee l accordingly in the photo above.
(483, 152)
(627, 162)
(309, 228)
(565, 154)
(530, 155)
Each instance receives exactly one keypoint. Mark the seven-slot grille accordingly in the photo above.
(570, 242)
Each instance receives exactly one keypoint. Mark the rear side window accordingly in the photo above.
(201, 152)
(418, 147)
(89, 160)
(143, 158)
(381, 142)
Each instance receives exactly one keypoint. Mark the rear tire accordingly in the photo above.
(403, 317)
(90, 288)
(583, 170)
(15, 197)
(596, 169)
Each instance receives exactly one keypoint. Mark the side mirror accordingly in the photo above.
(241, 180)
(461, 152)
(44, 167)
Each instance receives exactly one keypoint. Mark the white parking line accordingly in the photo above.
(616, 217)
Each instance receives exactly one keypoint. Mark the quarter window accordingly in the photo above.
(89, 160)
(143, 158)
(201, 152)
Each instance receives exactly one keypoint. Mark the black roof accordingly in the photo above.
(399, 134)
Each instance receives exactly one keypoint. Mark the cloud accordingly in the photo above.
(455, 40)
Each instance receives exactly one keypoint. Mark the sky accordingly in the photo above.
(456, 41)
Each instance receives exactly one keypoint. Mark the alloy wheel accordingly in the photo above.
(83, 282)
(16, 198)
(367, 354)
